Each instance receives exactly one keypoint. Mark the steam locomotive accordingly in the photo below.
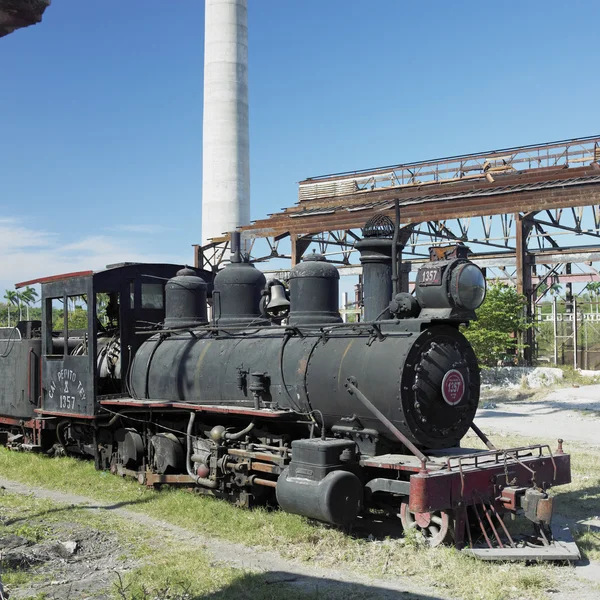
(274, 399)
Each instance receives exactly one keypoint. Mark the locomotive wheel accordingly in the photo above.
(436, 527)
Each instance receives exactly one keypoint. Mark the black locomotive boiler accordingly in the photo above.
(274, 398)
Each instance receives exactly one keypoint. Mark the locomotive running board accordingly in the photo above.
(229, 409)
(563, 547)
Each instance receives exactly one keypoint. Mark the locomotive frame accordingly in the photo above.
(144, 396)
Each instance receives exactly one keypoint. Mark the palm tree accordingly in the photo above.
(20, 305)
(555, 289)
(29, 296)
(11, 298)
(594, 288)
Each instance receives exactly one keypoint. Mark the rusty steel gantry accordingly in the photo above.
(15, 14)
(513, 207)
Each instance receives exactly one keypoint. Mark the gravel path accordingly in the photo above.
(569, 413)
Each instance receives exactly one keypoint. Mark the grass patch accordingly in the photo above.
(573, 376)
(180, 574)
(15, 577)
(295, 536)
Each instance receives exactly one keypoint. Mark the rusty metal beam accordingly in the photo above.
(419, 213)
(575, 230)
(299, 246)
(572, 187)
(547, 256)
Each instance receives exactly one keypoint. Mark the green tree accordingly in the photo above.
(29, 296)
(500, 319)
(78, 318)
(555, 289)
(77, 315)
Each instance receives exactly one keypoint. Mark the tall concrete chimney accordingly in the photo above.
(225, 135)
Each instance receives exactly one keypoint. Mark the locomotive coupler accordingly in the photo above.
(535, 504)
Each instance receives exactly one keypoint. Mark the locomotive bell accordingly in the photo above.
(278, 302)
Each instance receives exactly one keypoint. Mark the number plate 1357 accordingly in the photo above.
(430, 276)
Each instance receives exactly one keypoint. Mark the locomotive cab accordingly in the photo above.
(92, 325)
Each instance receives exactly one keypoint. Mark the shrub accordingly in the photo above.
(500, 320)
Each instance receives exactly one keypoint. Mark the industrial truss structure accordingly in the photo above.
(531, 215)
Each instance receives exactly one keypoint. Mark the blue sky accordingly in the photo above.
(101, 108)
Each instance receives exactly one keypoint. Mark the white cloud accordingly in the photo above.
(13, 236)
(142, 228)
(27, 254)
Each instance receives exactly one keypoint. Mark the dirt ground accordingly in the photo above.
(82, 562)
(73, 561)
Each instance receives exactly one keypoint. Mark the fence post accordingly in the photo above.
(585, 324)
(575, 333)
(555, 332)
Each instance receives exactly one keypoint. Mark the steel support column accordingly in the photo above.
(294, 244)
(524, 224)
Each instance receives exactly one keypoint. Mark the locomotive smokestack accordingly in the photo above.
(376, 258)
(236, 253)
(225, 148)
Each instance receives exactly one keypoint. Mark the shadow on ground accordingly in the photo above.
(579, 504)
(277, 585)
(78, 507)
